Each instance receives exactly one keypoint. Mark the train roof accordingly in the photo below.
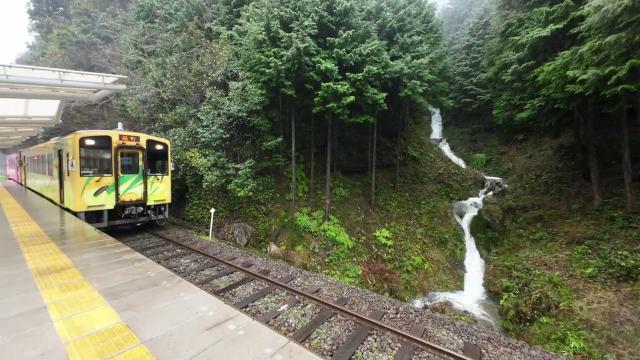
(97, 133)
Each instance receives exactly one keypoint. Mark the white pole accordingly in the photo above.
(211, 224)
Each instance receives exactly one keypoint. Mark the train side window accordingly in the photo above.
(129, 162)
(157, 158)
(95, 156)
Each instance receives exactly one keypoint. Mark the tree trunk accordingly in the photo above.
(373, 163)
(638, 109)
(293, 161)
(403, 120)
(280, 121)
(312, 185)
(593, 158)
(626, 159)
(577, 134)
(327, 183)
(369, 148)
(335, 147)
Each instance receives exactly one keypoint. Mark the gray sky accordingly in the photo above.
(14, 24)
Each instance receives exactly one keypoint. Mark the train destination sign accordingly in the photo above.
(130, 138)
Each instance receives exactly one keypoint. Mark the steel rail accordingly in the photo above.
(325, 303)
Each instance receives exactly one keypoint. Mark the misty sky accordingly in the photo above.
(14, 27)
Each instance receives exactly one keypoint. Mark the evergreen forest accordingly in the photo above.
(309, 120)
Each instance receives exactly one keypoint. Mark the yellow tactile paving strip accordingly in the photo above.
(87, 325)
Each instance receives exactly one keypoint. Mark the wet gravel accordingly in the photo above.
(201, 275)
(294, 318)
(276, 299)
(440, 329)
(219, 283)
(187, 263)
(330, 335)
(377, 346)
(243, 291)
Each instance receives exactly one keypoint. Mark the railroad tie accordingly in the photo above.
(325, 314)
(349, 347)
(218, 275)
(159, 250)
(407, 349)
(200, 268)
(293, 301)
(172, 256)
(148, 247)
(261, 293)
(237, 284)
(472, 350)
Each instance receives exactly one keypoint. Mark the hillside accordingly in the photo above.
(566, 275)
(408, 245)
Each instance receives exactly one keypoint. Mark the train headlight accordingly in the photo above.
(159, 147)
(89, 142)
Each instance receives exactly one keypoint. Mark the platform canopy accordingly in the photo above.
(32, 97)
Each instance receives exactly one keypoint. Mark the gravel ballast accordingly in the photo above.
(440, 329)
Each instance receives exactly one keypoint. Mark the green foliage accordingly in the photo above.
(529, 293)
(470, 31)
(413, 263)
(342, 267)
(383, 237)
(599, 262)
(307, 223)
(302, 182)
(331, 230)
(334, 231)
(478, 161)
(564, 338)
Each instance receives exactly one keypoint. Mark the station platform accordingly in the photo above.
(68, 290)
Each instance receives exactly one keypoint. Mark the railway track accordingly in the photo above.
(221, 274)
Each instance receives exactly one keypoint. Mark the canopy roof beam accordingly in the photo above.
(60, 84)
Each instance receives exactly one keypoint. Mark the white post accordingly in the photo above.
(211, 224)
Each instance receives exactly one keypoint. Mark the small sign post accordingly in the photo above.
(211, 224)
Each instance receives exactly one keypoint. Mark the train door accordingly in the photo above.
(61, 176)
(23, 169)
(130, 184)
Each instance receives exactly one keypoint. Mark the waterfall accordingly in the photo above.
(473, 297)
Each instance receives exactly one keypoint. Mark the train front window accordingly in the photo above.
(157, 158)
(129, 162)
(95, 156)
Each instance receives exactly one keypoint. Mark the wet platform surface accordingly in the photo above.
(68, 290)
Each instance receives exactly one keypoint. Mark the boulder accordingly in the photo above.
(241, 233)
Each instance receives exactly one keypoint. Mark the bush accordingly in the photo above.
(564, 338)
(383, 237)
(302, 182)
(599, 262)
(528, 294)
(342, 266)
(306, 222)
(331, 230)
(478, 161)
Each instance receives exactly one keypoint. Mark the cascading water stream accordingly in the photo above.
(473, 297)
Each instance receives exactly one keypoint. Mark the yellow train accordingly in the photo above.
(105, 177)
